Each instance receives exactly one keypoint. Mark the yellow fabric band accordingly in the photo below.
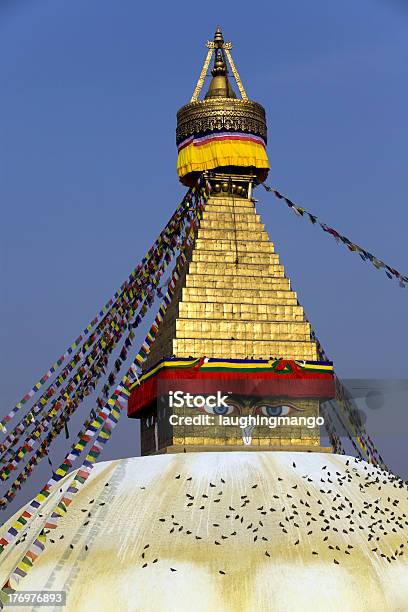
(213, 154)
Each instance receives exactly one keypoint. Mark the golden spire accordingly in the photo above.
(220, 87)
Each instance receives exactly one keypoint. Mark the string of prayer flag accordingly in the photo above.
(391, 273)
(108, 418)
(58, 423)
(165, 237)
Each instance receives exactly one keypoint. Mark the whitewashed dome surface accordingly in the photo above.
(229, 532)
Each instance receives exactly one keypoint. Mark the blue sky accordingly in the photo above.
(89, 94)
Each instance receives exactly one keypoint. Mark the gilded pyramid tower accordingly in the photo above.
(234, 299)
(233, 308)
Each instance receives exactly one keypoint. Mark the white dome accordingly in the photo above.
(244, 531)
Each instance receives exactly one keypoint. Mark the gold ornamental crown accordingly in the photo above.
(220, 110)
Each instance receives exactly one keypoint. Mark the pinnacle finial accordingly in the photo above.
(218, 37)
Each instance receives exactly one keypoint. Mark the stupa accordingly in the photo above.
(225, 531)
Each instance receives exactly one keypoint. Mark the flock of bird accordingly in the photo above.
(314, 514)
(324, 519)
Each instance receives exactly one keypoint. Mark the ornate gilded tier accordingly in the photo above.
(219, 114)
(221, 132)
